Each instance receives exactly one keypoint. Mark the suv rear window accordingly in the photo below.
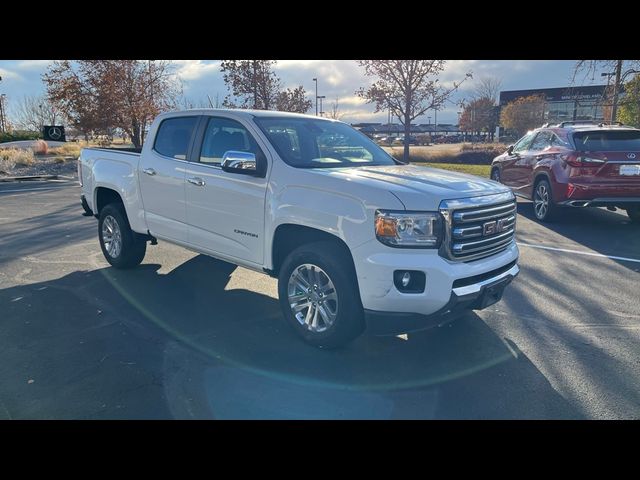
(607, 141)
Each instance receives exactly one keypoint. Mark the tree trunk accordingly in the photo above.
(135, 135)
(407, 134)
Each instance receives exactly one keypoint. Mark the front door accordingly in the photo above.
(162, 178)
(225, 211)
(513, 163)
(524, 173)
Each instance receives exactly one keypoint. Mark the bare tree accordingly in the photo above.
(488, 87)
(334, 110)
(100, 95)
(254, 84)
(293, 100)
(408, 87)
(33, 112)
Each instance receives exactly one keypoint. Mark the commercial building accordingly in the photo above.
(566, 103)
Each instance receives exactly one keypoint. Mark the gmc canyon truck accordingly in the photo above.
(356, 239)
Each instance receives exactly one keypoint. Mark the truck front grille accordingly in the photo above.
(478, 227)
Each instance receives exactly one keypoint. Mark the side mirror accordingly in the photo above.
(510, 149)
(243, 163)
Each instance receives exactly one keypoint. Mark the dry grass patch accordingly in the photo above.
(15, 157)
(69, 149)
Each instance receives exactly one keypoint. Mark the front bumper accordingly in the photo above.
(375, 265)
(474, 296)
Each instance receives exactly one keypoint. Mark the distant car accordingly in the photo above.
(574, 165)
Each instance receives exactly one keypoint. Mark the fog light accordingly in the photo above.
(409, 281)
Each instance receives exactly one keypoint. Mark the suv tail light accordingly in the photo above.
(578, 160)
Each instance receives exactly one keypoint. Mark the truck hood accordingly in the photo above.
(419, 188)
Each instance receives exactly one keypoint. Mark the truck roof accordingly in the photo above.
(244, 112)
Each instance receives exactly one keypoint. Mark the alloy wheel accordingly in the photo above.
(111, 236)
(541, 201)
(312, 297)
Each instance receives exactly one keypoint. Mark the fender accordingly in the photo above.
(336, 213)
(121, 177)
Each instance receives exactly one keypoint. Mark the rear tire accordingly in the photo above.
(634, 214)
(122, 247)
(544, 208)
(331, 314)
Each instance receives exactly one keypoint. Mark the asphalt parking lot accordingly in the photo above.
(187, 336)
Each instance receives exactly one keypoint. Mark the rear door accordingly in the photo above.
(162, 178)
(610, 161)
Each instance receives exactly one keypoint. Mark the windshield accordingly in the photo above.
(612, 141)
(310, 143)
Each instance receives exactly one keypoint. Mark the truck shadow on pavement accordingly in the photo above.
(141, 344)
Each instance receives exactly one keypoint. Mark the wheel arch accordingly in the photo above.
(289, 236)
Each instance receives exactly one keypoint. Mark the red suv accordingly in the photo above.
(574, 164)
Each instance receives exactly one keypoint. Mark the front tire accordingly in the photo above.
(634, 214)
(122, 247)
(319, 295)
(544, 207)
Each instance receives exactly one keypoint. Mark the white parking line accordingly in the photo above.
(578, 252)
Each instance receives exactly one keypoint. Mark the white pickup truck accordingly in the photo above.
(356, 239)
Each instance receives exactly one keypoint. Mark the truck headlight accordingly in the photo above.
(409, 229)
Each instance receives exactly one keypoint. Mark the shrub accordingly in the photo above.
(59, 159)
(16, 135)
(40, 147)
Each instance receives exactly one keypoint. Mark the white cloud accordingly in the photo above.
(9, 75)
(195, 69)
(33, 64)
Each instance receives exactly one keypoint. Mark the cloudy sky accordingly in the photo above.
(336, 79)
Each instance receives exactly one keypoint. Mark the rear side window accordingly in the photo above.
(607, 141)
(174, 136)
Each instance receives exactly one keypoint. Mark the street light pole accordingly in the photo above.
(320, 97)
(614, 109)
(435, 121)
(316, 80)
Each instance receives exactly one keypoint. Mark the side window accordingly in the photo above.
(542, 141)
(556, 141)
(174, 136)
(523, 143)
(222, 135)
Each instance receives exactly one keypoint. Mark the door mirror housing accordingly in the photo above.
(243, 163)
(510, 150)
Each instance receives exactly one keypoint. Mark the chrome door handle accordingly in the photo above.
(197, 181)
(149, 171)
